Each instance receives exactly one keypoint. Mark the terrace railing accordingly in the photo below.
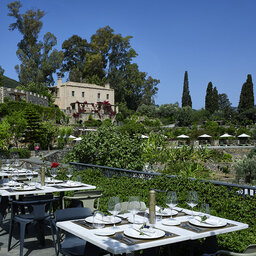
(112, 171)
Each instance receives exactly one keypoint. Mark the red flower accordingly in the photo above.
(54, 165)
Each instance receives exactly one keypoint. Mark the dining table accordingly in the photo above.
(12, 188)
(133, 235)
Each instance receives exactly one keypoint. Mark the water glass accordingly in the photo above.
(98, 219)
(205, 209)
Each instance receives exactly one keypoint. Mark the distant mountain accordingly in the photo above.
(11, 83)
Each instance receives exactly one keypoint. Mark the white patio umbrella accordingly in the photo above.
(183, 136)
(71, 137)
(144, 136)
(78, 139)
(243, 135)
(205, 136)
(226, 135)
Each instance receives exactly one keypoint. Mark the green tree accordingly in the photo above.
(211, 98)
(1, 76)
(5, 135)
(108, 58)
(18, 125)
(33, 132)
(38, 58)
(186, 98)
(246, 96)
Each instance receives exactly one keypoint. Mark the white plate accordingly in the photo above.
(131, 232)
(170, 222)
(25, 188)
(106, 220)
(72, 185)
(104, 232)
(213, 223)
(165, 212)
(12, 183)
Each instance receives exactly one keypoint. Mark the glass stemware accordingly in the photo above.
(14, 177)
(133, 206)
(29, 174)
(114, 207)
(205, 210)
(69, 173)
(54, 174)
(98, 219)
(192, 200)
(171, 200)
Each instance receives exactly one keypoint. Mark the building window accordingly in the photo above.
(73, 106)
(107, 96)
(83, 94)
(73, 93)
(98, 95)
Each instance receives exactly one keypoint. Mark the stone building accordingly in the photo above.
(80, 100)
(21, 95)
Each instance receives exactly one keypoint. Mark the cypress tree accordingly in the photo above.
(246, 96)
(186, 99)
(208, 97)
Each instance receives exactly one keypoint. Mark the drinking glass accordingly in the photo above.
(7, 164)
(98, 219)
(54, 174)
(14, 177)
(69, 173)
(133, 206)
(29, 174)
(205, 209)
(171, 200)
(192, 200)
(114, 206)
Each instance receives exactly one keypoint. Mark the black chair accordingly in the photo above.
(67, 243)
(32, 209)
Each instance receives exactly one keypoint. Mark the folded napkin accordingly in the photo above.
(211, 221)
(161, 210)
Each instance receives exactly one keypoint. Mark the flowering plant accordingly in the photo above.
(36, 148)
(54, 165)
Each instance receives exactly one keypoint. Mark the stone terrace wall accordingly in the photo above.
(23, 95)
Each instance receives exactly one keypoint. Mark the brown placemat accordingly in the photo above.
(188, 226)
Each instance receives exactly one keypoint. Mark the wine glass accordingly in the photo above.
(114, 207)
(133, 206)
(29, 174)
(69, 173)
(171, 200)
(54, 174)
(192, 200)
(7, 164)
(14, 177)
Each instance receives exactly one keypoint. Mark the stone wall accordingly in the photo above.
(19, 95)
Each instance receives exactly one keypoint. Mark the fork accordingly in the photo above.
(127, 240)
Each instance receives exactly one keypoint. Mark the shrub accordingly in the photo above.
(109, 147)
(23, 152)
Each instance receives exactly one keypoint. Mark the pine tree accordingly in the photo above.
(246, 96)
(186, 99)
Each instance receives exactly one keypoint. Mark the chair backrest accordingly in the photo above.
(87, 198)
(36, 205)
(124, 207)
(72, 214)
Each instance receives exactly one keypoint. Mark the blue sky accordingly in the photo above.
(214, 40)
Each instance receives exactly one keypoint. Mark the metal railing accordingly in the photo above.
(112, 171)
